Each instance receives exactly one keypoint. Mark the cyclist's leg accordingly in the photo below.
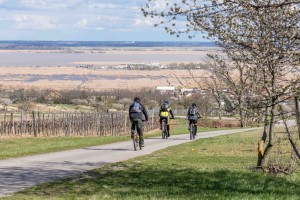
(168, 125)
(160, 122)
(132, 127)
(190, 122)
(195, 123)
(139, 126)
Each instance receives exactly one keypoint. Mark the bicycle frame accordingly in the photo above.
(136, 139)
(164, 129)
(193, 130)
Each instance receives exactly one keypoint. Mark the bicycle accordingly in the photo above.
(164, 130)
(193, 130)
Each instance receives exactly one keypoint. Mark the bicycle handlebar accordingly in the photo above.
(181, 117)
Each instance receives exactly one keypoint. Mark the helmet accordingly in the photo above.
(167, 102)
(193, 104)
(137, 99)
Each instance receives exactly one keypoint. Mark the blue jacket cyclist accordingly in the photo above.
(193, 115)
(136, 112)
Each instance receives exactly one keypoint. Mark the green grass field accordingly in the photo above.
(18, 147)
(214, 168)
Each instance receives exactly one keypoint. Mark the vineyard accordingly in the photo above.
(38, 124)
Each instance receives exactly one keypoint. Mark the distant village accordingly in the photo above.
(146, 66)
(180, 93)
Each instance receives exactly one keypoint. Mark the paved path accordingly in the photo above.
(20, 173)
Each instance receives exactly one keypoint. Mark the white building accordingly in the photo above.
(166, 89)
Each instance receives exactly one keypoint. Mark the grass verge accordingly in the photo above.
(18, 147)
(213, 168)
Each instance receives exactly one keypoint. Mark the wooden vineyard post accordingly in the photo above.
(52, 124)
(152, 120)
(112, 124)
(38, 124)
(125, 124)
(12, 128)
(34, 124)
(97, 124)
(43, 124)
(82, 126)
(21, 123)
(4, 123)
(25, 124)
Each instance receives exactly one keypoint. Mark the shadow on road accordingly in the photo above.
(170, 138)
(13, 179)
(108, 149)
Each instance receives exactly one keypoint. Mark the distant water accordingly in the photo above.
(32, 78)
(63, 44)
(67, 59)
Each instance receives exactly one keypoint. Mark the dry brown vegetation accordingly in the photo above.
(95, 79)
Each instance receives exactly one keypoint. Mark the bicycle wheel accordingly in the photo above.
(166, 130)
(134, 140)
(192, 131)
(163, 129)
(194, 135)
(166, 133)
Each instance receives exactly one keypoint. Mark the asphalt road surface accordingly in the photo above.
(20, 173)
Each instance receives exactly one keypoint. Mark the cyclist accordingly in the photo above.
(136, 112)
(164, 113)
(193, 115)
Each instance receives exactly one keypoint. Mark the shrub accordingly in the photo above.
(212, 123)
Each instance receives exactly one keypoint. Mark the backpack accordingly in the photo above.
(193, 111)
(136, 108)
(164, 107)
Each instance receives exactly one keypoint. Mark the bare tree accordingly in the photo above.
(264, 35)
(5, 102)
(26, 106)
(216, 87)
(236, 77)
(125, 102)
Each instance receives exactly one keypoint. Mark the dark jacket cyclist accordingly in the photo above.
(164, 113)
(193, 115)
(136, 112)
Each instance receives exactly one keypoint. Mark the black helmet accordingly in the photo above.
(167, 102)
(193, 104)
(137, 99)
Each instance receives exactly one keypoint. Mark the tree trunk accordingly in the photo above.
(297, 114)
(272, 124)
(271, 133)
(241, 114)
(219, 109)
(263, 139)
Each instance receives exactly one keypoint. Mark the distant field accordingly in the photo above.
(99, 79)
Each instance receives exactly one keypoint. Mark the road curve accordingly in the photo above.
(20, 173)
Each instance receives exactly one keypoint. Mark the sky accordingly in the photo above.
(79, 20)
